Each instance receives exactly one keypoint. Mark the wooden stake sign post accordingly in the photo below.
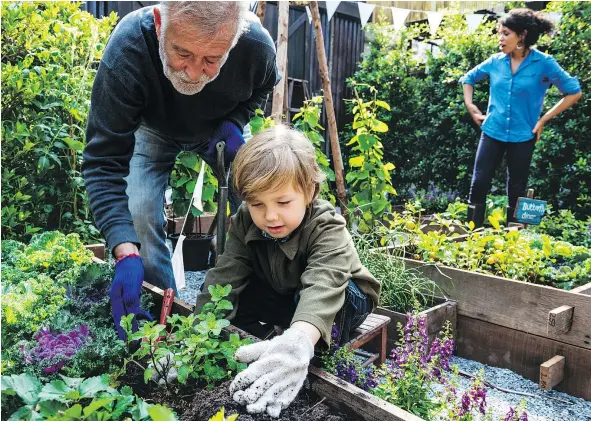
(332, 121)
(282, 36)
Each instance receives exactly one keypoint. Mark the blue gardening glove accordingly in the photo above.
(232, 135)
(125, 292)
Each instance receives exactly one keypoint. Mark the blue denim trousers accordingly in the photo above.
(259, 302)
(488, 157)
(149, 171)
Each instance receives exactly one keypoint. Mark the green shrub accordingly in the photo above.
(50, 52)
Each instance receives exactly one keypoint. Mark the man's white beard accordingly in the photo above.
(180, 79)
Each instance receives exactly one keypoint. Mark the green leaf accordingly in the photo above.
(224, 305)
(183, 373)
(383, 104)
(148, 374)
(26, 386)
(379, 126)
(357, 161)
(161, 413)
(56, 390)
(24, 413)
(190, 160)
(97, 404)
(90, 387)
(50, 408)
(74, 412)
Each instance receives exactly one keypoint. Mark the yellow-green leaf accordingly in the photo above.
(357, 161)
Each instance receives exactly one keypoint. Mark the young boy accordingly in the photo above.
(291, 263)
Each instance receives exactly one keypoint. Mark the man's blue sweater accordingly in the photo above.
(130, 89)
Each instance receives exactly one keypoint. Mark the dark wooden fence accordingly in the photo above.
(343, 38)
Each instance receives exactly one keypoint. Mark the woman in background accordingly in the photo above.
(519, 76)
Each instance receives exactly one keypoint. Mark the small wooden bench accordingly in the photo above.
(374, 325)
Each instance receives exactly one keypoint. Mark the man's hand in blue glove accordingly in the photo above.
(232, 135)
(125, 291)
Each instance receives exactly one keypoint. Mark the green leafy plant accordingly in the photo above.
(369, 177)
(50, 53)
(78, 399)
(259, 122)
(564, 225)
(307, 121)
(183, 179)
(194, 346)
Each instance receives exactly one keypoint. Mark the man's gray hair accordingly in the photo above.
(207, 16)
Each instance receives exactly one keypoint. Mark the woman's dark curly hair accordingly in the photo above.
(520, 20)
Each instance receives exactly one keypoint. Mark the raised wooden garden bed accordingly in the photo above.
(338, 393)
(519, 325)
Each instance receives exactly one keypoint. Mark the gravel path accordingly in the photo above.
(540, 408)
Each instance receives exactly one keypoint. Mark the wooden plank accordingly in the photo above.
(552, 372)
(513, 304)
(583, 289)
(343, 395)
(97, 249)
(560, 319)
(522, 352)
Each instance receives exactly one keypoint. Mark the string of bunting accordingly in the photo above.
(434, 18)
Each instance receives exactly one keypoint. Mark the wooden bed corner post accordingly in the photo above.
(330, 115)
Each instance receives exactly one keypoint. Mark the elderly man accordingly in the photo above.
(179, 76)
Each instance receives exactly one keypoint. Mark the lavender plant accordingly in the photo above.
(341, 362)
(433, 199)
(414, 368)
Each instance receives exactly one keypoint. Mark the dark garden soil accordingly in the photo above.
(178, 398)
(306, 407)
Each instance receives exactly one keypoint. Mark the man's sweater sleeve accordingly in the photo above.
(115, 114)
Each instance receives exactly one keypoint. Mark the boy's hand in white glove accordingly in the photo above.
(277, 373)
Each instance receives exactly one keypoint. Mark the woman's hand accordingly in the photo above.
(539, 128)
(477, 116)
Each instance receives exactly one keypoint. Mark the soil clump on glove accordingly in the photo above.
(207, 404)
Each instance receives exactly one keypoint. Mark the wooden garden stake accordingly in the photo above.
(332, 121)
(560, 320)
(282, 35)
(262, 5)
(552, 372)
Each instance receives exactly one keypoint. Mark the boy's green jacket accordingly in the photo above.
(319, 256)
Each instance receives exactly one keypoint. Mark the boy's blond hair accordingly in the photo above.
(274, 158)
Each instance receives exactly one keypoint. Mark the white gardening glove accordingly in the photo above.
(278, 370)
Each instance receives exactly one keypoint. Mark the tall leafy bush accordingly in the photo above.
(50, 52)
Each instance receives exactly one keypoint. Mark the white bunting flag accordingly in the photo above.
(473, 20)
(331, 7)
(434, 19)
(365, 11)
(399, 17)
(309, 13)
(555, 17)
